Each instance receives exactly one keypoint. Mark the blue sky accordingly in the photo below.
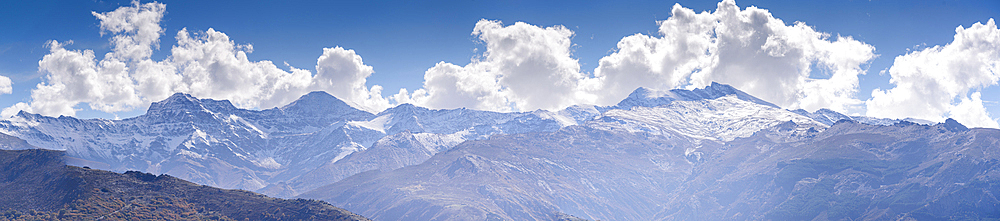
(401, 40)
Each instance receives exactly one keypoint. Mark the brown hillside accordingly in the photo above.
(37, 185)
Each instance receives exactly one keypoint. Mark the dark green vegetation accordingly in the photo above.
(37, 185)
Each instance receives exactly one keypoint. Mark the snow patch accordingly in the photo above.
(267, 162)
(377, 124)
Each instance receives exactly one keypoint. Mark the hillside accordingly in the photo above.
(37, 185)
(849, 171)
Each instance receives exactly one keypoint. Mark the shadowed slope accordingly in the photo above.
(36, 184)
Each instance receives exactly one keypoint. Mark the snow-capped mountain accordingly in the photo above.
(319, 139)
(214, 143)
(722, 118)
(410, 135)
(849, 171)
(714, 114)
(829, 117)
(668, 155)
(712, 153)
(652, 98)
(709, 153)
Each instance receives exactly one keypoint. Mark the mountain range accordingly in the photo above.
(709, 153)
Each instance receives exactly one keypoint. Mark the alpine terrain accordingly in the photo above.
(714, 153)
(705, 154)
(288, 149)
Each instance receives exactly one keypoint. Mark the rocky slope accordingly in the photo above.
(617, 166)
(318, 140)
(706, 154)
(718, 112)
(37, 185)
(849, 171)
(212, 142)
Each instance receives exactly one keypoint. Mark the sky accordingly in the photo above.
(110, 59)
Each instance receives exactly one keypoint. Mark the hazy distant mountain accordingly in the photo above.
(849, 171)
(671, 155)
(37, 185)
(616, 166)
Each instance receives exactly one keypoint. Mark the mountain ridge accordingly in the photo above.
(850, 170)
(285, 150)
(651, 98)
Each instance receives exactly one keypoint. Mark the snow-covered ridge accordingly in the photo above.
(214, 143)
(722, 119)
(829, 117)
(644, 97)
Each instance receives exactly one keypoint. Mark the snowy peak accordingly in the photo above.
(186, 102)
(723, 119)
(831, 117)
(178, 101)
(321, 104)
(403, 109)
(645, 97)
(825, 116)
(182, 107)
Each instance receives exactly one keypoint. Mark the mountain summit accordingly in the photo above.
(645, 97)
(320, 103)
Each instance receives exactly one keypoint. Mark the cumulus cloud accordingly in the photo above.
(524, 67)
(5, 85)
(749, 49)
(936, 82)
(205, 64)
(527, 67)
(342, 73)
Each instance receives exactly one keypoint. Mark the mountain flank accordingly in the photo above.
(36, 184)
(849, 171)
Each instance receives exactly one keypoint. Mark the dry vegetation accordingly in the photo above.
(37, 185)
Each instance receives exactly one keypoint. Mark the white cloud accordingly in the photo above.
(206, 65)
(936, 82)
(342, 73)
(970, 111)
(6, 85)
(140, 28)
(524, 67)
(749, 49)
(210, 65)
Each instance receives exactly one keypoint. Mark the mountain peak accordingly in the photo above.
(180, 97)
(405, 108)
(646, 97)
(953, 125)
(186, 103)
(319, 103)
(176, 101)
